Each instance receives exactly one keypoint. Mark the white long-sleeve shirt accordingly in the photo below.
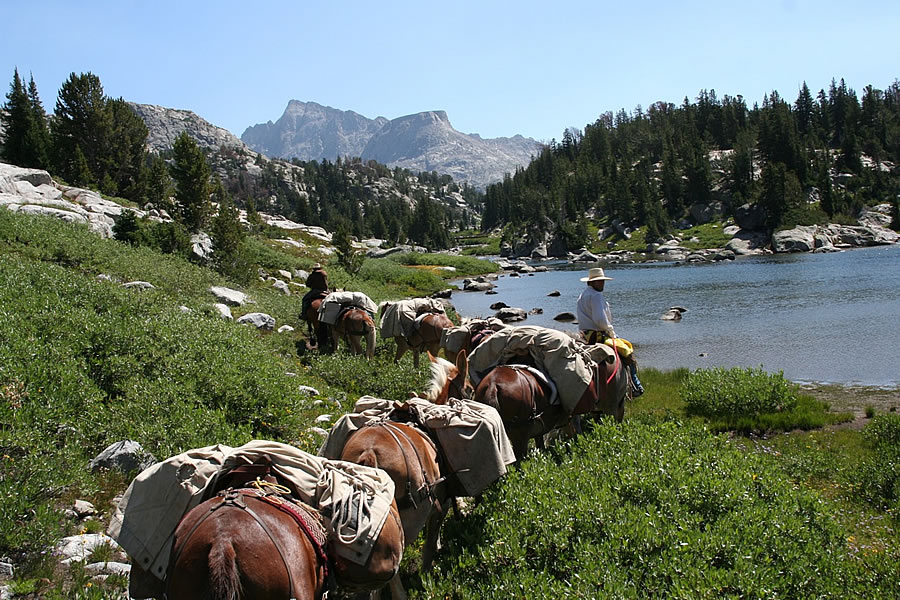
(593, 312)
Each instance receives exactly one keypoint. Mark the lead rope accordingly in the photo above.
(618, 362)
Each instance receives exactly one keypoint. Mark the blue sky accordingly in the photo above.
(498, 68)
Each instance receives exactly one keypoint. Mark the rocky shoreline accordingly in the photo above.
(747, 240)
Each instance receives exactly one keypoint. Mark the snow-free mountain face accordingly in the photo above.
(165, 124)
(421, 142)
(310, 131)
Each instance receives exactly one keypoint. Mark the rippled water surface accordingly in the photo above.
(816, 317)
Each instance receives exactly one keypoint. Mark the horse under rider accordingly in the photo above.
(317, 282)
(595, 323)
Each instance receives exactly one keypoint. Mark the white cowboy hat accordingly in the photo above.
(595, 274)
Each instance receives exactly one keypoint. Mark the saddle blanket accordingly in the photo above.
(470, 435)
(335, 302)
(145, 520)
(399, 318)
(565, 361)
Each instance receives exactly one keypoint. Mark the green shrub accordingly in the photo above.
(652, 510)
(737, 392)
(878, 479)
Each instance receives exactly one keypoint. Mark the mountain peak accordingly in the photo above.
(424, 141)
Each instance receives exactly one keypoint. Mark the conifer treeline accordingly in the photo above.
(649, 167)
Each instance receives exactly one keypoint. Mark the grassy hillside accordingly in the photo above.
(656, 507)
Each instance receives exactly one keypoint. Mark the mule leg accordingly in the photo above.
(402, 347)
(432, 536)
(370, 344)
(396, 587)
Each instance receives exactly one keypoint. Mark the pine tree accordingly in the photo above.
(227, 234)
(191, 174)
(159, 184)
(37, 138)
(80, 122)
(15, 121)
(27, 137)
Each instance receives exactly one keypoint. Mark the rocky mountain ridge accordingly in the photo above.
(423, 141)
(310, 131)
(165, 124)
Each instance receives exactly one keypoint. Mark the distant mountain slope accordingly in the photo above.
(310, 131)
(428, 142)
(165, 124)
(420, 142)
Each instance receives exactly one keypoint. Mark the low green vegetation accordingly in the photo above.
(657, 506)
(653, 509)
(748, 400)
(479, 243)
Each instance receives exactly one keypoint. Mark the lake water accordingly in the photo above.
(832, 318)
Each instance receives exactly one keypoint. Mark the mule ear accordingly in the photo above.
(462, 363)
(430, 356)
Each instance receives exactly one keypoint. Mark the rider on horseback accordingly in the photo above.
(595, 323)
(317, 282)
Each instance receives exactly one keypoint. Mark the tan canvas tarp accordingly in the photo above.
(557, 354)
(471, 435)
(399, 318)
(455, 339)
(145, 520)
(334, 302)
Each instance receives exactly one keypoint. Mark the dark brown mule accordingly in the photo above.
(410, 458)
(241, 545)
(523, 401)
(354, 324)
(244, 547)
(315, 330)
(426, 336)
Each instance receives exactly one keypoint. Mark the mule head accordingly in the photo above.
(448, 380)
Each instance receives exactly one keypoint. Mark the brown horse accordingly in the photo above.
(425, 336)
(354, 324)
(410, 458)
(243, 544)
(316, 330)
(523, 401)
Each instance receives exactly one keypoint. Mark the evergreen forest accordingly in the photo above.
(820, 158)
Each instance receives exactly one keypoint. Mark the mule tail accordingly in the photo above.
(367, 459)
(489, 395)
(224, 577)
(370, 341)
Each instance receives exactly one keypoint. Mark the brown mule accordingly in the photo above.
(315, 330)
(449, 380)
(410, 458)
(354, 324)
(523, 401)
(244, 547)
(427, 336)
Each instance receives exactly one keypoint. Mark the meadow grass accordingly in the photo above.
(658, 506)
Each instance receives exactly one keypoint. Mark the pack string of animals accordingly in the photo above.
(268, 521)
